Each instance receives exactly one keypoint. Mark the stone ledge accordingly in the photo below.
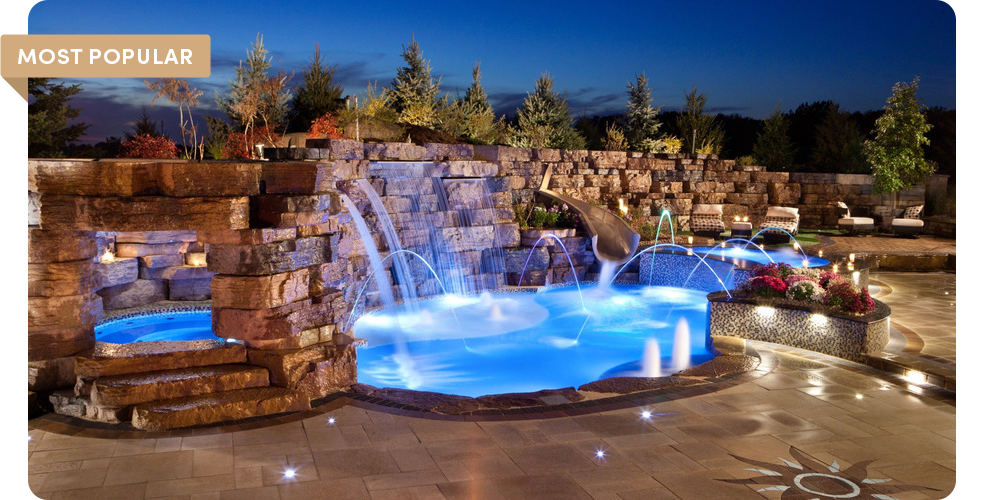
(218, 407)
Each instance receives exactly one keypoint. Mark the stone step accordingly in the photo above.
(118, 359)
(217, 407)
(130, 389)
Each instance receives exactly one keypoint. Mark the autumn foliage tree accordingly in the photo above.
(149, 146)
(186, 97)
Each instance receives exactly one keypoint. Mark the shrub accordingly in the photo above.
(778, 270)
(844, 295)
(325, 126)
(241, 147)
(805, 289)
(149, 146)
(765, 286)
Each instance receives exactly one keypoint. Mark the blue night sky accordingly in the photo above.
(747, 57)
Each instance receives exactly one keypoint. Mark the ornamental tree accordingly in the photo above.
(545, 120)
(641, 118)
(700, 132)
(254, 96)
(180, 93)
(896, 153)
(414, 92)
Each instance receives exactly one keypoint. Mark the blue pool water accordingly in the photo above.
(751, 254)
(523, 342)
(167, 326)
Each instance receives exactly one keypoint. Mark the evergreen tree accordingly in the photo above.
(773, 148)
(145, 125)
(700, 132)
(641, 118)
(473, 113)
(318, 93)
(48, 131)
(838, 145)
(896, 153)
(414, 92)
(545, 120)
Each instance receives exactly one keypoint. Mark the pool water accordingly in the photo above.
(167, 326)
(751, 254)
(524, 342)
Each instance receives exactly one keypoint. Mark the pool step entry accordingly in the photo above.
(172, 385)
(217, 407)
(131, 389)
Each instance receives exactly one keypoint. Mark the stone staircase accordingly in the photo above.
(160, 386)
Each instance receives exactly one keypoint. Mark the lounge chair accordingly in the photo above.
(707, 220)
(908, 222)
(853, 225)
(786, 218)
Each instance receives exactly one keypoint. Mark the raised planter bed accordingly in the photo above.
(783, 322)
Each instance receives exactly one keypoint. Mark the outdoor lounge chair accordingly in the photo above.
(786, 218)
(908, 222)
(853, 225)
(707, 220)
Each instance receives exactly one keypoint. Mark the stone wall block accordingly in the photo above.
(503, 153)
(208, 179)
(394, 151)
(247, 236)
(260, 292)
(61, 278)
(118, 271)
(444, 152)
(95, 178)
(137, 293)
(59, 246)
(70, 311)
(54, 343)
(189, 289)
(143, 213)
(269, 258)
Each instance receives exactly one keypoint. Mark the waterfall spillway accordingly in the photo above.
(382, 281)
(404, 279)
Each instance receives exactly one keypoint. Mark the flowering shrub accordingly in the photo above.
(149, 146)
(779, 270)
(844, 295)
(765, 286)
(327, 126)
(830, 289)
(554, 216)
(805, 289)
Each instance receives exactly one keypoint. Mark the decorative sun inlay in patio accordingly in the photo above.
(812, 480)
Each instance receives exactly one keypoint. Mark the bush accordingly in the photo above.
(550, 216)
(778, 280)
(149, 146)
(325, 126)
(241, 147)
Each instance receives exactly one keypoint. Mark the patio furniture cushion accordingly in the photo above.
(786, 218)
(706, 223)
(912, 212)
(850, 224)
(909, 223)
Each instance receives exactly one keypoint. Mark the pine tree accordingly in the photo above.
(641, 118)
(545, 120)
(318, 93)
(48, 131)
(838, 145)
(414, 92)
(896, 153)
(773, 149)
(700, 132)
(472, 116)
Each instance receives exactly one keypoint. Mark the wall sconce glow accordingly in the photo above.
(195, 259)
(737, 218)
(850, 266)
(834, 268)
(818, 319)
(856, 277)
(765, 311)
(819, 253)
(690, 240)
(744, 219)
(916, 377)
(107, 256)
(622, 207)
(690, 251)
(850, 257)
